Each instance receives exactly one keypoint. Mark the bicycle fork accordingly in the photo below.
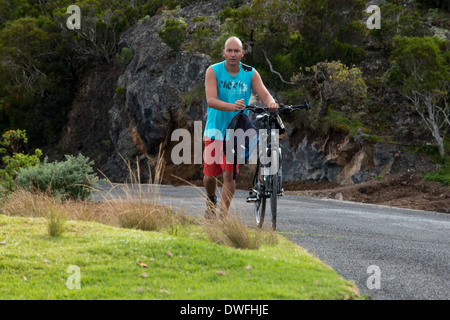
(266, 170)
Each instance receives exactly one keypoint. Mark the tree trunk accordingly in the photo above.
(434, 127)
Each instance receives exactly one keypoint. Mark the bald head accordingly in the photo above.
(233, 41)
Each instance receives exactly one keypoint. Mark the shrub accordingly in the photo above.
(125, 56)
(173, 32)
(396, 21)
(10, 145)
(70, 179)
(334, 82)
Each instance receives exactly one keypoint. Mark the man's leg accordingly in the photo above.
(210, 184)
(228, 189)
(211, 170)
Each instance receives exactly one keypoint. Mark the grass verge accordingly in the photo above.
(117, 263)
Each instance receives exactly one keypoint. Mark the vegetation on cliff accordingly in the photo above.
(303, 49)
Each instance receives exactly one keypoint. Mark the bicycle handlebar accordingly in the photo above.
(282, 108)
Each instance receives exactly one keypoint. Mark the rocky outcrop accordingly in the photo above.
(87, 128)
(123, 114)
(149, 106)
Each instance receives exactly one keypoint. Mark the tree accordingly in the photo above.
(99, 34)
(285, 35)
(24, 52)
(420, 70)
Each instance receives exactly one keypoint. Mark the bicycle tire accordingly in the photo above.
(273, 184)
(274, 199)
(259, 190)
(260, 206)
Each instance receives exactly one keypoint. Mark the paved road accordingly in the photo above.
(409, 248)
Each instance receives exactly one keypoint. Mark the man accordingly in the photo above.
(228, 87)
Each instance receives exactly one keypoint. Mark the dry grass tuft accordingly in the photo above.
(34, 205)
(233, 232)
(141, 215)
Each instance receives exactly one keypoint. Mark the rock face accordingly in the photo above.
(149, 107)
(305, 162)
(87, 129)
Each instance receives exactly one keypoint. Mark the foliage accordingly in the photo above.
(293, 34)
(41, 60)
(14, 160)
(202, 34)
(441, 4)
(397, 21)
(334, 82)
(173, 32)
(420, 58)
(35, 80)
(442, 175)
(420, 70)
(70, 179)
(98, 36)
(26, 45)
(125, 56)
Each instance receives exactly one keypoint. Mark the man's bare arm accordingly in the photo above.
(261, 90)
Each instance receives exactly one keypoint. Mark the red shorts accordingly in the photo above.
(215, 160)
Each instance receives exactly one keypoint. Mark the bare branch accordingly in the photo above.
(275, 72)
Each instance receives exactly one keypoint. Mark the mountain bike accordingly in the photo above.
(268, 178)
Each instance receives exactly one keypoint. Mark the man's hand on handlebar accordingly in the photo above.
(239, 105)
(273, 106)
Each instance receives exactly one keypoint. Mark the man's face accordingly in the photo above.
(233, 53)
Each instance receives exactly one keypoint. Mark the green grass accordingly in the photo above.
(442, 174)
(34, 265)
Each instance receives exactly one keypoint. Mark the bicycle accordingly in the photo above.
(267, 182)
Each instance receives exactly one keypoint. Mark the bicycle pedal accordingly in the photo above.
(251, 199)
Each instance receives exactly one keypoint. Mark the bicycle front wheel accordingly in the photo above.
(260, 203)
(273, 200)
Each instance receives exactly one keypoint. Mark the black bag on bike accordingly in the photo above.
(245, 141)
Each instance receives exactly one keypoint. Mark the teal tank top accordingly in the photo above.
(229, 89)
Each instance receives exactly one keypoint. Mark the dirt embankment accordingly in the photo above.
(404, 191)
